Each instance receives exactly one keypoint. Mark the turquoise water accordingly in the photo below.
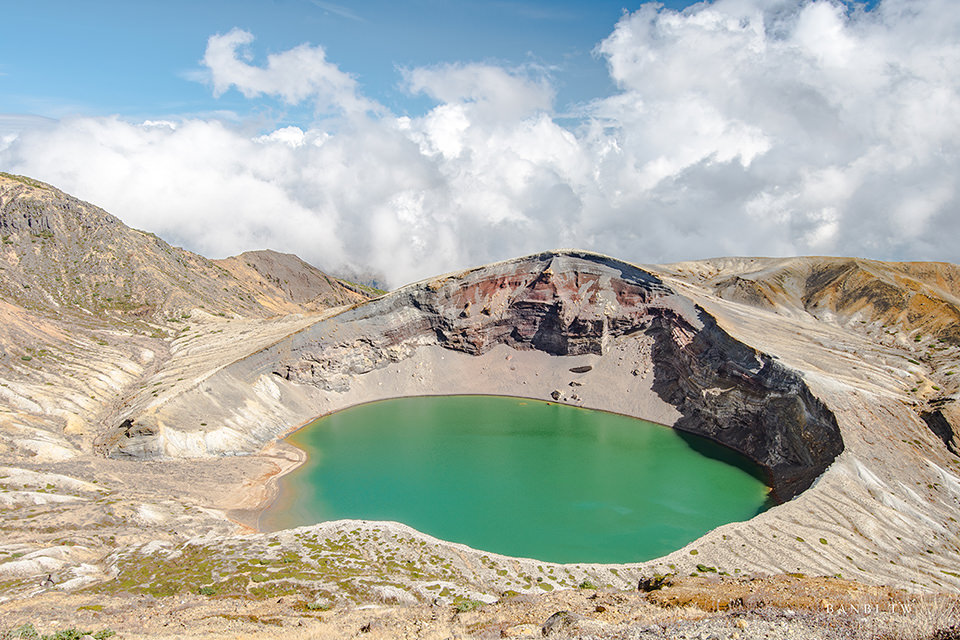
(518, 477)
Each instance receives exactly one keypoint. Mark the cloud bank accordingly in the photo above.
(748, 127)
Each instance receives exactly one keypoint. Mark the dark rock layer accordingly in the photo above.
(940, 426)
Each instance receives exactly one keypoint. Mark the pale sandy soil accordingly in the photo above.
(257, 494)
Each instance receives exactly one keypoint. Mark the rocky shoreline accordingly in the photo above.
(260, 493)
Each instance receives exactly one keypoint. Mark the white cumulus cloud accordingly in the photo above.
(738, 127)
(490, 92)
(301, 73)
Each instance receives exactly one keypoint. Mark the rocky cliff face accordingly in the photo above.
(567, 304)
(746, 400)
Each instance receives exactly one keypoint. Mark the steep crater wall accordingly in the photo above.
(745, 400)
(579, 303)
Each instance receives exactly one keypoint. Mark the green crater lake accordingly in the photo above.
(518, 477)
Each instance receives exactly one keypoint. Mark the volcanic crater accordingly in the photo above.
(145, 393)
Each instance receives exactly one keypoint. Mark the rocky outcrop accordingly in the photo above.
(940, 418)
(574, 303)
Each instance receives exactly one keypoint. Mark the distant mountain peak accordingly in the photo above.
(61, 254)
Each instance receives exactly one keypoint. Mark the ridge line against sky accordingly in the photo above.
(401, 144)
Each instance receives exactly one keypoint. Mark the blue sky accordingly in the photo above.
(407, 139)
(61, 58)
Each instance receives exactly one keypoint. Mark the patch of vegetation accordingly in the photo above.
(462, 606)
(30, 182)
(29, 632)
(363, 287)
(586, 584)
(275, 622)
(322, 567)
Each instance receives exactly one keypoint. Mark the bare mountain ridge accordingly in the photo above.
(60, 253)
(301, 283)
(64, 255)
(920, 298)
